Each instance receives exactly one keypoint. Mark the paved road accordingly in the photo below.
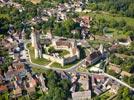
(79, 64)
(119, 81)
(107, 75)
(71, 69)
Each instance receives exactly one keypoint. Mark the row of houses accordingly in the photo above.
(84, 86)
(18, 79)
(118, 70)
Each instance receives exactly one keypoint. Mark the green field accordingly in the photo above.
(40, 61)
(108, 17)
(57, 65)
(63, 53)
(105, 96)
(38, 69)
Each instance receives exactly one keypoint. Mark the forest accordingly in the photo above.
(122, 7)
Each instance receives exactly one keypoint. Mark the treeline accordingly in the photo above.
(123, 7)
(100, 26)
(12, 16)
(58, 89)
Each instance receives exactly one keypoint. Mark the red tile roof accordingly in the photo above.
(63, 42)
(3, 88)
(93, 55)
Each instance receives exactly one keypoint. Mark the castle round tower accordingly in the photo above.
(101, 49)
(33, 37)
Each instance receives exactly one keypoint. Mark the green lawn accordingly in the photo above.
(108, 17)
(24, 98)
(38, 69)
(4, 96)
(63, 53)
(82, 69)
(104, 96)
(5, 16)
(96, 43)
(57, 65)
(40, 61)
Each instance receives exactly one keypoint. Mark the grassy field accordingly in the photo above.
(4, 16)
(82, 69)
(105, 96)
(96, 43)
(60, 52)
(63, 53)
(57, 65)
(129, 21)
(40, 61)
(38, 69)
(35, 1)
(4, 96)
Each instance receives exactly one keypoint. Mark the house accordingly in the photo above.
(91, 36)
(97, 91)
(74, 78)
(44, 18)
(99, 78)
(42, 83)
(64, 75)
(61, 7)
(83, 95)
(18, 69)
(124, 41)
(84, 81)
(30, 84)
(3, 88)
(114, 68)
(93, 58)
(75, 31)
(85, 21)
(114, 89)
(124, 73)
(113, 48)
(1, 60)
(131, 38)
(3, 1)
(1, 77)
(93, 81)
(106, 83)
(109, 83)
(61, 16)
(78, 6)
(73, 88)
(84, 32)
(17, 91)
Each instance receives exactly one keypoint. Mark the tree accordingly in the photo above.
(131, 80)
(4, 23)
(124, 94)
(116, 60)
(7, 61)
(122, 23)
(58, 88)
(51, 50)
(114, 23)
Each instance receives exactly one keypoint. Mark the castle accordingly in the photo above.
(35, 43)
(69, 45)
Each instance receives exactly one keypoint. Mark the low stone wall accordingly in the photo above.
(55, 59)
(70, 59)
(62, 61)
